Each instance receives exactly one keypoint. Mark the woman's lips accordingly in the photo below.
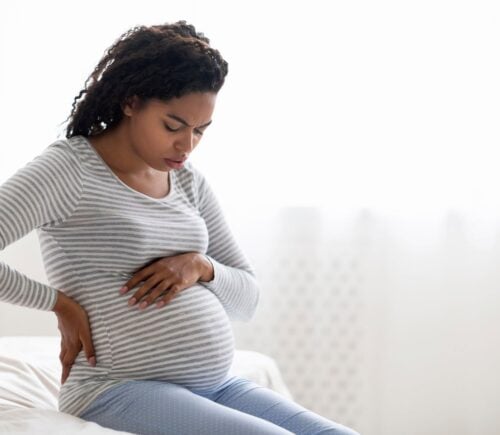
(174, 164)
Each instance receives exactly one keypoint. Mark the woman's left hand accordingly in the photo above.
(168, 276)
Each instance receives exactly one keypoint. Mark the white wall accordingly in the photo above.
(387, 104)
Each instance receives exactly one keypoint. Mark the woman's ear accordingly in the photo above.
(130, 105)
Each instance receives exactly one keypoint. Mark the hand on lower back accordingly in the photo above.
(73, 323)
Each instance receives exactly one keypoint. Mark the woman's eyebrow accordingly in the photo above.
(184, 122)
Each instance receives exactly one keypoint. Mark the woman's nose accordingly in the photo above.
(186, 142)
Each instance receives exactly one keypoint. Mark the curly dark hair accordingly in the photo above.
(160, 61)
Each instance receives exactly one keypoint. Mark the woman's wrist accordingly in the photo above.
(206, 269)
(62, 303)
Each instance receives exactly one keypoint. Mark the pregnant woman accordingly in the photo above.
(144, 272)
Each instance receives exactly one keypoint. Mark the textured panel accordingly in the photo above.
(310, 317)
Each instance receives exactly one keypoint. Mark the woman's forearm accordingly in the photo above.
(237, 289)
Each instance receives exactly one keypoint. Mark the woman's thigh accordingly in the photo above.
(251, 398)
(157, 407)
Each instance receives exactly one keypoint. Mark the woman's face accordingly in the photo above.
(162, 130)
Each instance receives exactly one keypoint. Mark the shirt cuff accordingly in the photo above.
(222, 281)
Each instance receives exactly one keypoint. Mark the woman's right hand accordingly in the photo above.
(74, 325)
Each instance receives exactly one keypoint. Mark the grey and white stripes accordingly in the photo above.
(95, 232)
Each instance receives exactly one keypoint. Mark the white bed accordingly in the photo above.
(30, 374)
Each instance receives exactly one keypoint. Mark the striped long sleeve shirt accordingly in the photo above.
(95, 233)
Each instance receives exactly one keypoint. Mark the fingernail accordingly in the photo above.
(92, 361)
(132, 301)
(143, 305)
(123, 289)
(160, 304)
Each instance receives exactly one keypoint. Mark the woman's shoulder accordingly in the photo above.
(189, 173)
(65, 149)
(58, 156)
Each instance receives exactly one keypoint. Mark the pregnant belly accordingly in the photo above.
(189, 341)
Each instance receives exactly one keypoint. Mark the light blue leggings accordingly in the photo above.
(235, 407)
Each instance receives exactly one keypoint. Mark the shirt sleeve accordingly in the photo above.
(43, 193)
(234, 281)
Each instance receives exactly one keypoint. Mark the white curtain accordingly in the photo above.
(386, 324)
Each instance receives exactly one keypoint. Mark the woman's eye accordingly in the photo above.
(198, 132)
(170, 128)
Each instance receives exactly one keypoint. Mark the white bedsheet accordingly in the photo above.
(30, 374)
